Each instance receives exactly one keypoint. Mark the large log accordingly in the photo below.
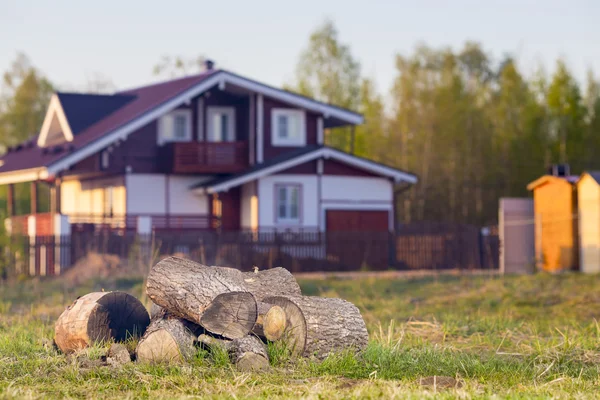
(317, 326)
(98, 317)
(249, 354)
(168, 340)
(189, 290)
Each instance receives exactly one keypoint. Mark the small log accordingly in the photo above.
(168, 340)
(317, 326)
(98, 317)
(249, 354)
(270, 323)
(271, 282)
(231, 315)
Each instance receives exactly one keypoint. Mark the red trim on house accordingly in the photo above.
(309, 168)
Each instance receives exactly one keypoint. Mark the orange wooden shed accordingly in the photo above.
(556, 228)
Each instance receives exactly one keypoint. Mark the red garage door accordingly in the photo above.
(357, 221)
(358, 239)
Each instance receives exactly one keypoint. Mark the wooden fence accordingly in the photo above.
(415, 246)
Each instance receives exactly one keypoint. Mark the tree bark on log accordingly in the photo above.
(318, 326)
(168, 340)
(270, 323)
(188, 290)
(100, 316)
(249, 354)
(271, 282)
(231, 315)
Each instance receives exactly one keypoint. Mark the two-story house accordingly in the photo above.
(209, 151)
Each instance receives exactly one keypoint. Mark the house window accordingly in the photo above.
(175, 127)
(288, 204)
(288, 127)
(221, 124)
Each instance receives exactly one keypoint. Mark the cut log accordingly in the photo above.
(317, 326)
(249, 354)
(271, 282)
(270, 323)
(187, 290)
(168, 340)
(98, 317)
(231, 315)
(157, 312)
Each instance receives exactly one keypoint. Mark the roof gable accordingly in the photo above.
(84, 110)
(301, 156)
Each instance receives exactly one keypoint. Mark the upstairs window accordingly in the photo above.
(175, 127)
(288, 127)
(288, 204)
(221, 124)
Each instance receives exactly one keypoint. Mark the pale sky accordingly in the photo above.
(71, 41)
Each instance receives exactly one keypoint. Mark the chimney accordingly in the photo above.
(560, 170)
(209, 64)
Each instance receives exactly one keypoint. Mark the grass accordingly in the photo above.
(513, 337)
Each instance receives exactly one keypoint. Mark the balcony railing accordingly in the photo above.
(208, 157)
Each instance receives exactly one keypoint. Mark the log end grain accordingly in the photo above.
(231, 315)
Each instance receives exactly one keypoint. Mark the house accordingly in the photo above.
(556, 232)
(210, 151)
(588, 197)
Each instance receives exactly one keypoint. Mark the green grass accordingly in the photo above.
(515, 337)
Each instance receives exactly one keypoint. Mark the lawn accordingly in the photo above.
(513, 337)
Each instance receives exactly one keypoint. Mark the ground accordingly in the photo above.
(480, 336)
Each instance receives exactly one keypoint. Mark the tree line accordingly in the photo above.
(472, 128)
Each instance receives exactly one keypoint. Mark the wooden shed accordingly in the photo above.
(588, 193)
(556, 231)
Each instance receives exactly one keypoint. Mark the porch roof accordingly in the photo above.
(301, 156)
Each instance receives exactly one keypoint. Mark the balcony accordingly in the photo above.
(207, 157)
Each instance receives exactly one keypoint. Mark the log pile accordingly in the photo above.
(215, 307)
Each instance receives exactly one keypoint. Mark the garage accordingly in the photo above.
(357, 221)
(358, 238)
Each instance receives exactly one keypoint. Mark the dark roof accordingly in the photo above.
(142, 100)
(257, 167)
(84, 110)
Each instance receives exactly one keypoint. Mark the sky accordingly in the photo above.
(75, 42)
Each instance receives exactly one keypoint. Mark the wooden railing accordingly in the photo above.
(208, 157)
(82, 222)
(43, 224)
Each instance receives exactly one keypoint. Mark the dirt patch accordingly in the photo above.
(93, 266)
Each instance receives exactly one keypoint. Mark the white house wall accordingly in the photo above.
(147, 194)
(266, 196)
(183, 201)
(356, 189)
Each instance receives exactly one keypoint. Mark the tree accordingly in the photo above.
(178, 66)
(328, 71)
(23, 102)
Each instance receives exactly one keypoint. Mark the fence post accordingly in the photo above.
(144, 236)
(31, 233)
(62, 252)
